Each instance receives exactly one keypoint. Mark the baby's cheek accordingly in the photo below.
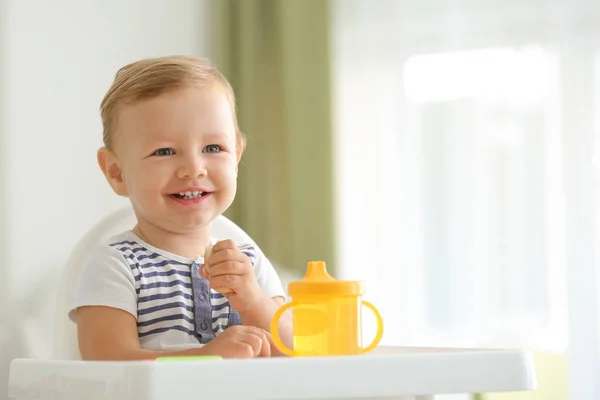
(228, 176)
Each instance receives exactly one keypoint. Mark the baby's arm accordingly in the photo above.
(107, 333)
(274, 297)
(253, 289)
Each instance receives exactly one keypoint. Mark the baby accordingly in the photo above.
(172, 145)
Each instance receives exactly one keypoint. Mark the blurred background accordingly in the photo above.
(445, 152)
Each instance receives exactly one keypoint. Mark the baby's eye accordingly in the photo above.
(212, 148)
(164, 152)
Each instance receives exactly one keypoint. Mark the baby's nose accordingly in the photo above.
(192, 168)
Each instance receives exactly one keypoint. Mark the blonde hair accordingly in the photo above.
(149, 78)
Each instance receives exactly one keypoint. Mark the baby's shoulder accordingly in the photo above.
(119, 246)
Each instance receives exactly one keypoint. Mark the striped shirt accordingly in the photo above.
(173, 304)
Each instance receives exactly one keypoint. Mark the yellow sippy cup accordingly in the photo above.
(327, 316)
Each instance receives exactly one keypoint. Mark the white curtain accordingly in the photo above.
(466, 171)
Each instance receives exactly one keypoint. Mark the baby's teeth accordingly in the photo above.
(192, 195)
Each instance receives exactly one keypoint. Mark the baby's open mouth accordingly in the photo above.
(189, 195)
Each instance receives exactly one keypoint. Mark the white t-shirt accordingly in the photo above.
(157, 288)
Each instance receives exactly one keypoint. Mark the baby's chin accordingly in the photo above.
(189, 224)
(176, 224)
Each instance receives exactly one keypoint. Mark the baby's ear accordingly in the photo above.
(240, 146)
(109, 164)
(239, 153)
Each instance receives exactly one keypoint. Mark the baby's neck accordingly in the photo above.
(189, 244)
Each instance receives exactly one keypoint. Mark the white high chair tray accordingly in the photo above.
(384, 373)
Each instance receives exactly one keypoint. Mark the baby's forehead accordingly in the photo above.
(203, 111)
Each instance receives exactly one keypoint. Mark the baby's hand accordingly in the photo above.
(230, 272)
(240, 341)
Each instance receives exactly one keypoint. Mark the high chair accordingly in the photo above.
(387, 372)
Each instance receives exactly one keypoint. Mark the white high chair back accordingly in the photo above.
(65, 334)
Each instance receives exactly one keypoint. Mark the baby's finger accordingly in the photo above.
(234, 282)
(224, 245)
(266, 345)
(269, 338)
(259, 342)
(255, 341)
(229, 267)
(228, 255)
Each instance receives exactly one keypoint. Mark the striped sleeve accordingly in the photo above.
(107, 280)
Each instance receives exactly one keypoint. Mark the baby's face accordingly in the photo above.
(178, 157)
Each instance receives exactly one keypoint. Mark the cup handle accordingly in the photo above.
(379, 333)
(275, 329)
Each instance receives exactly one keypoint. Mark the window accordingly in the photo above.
(465, 139)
